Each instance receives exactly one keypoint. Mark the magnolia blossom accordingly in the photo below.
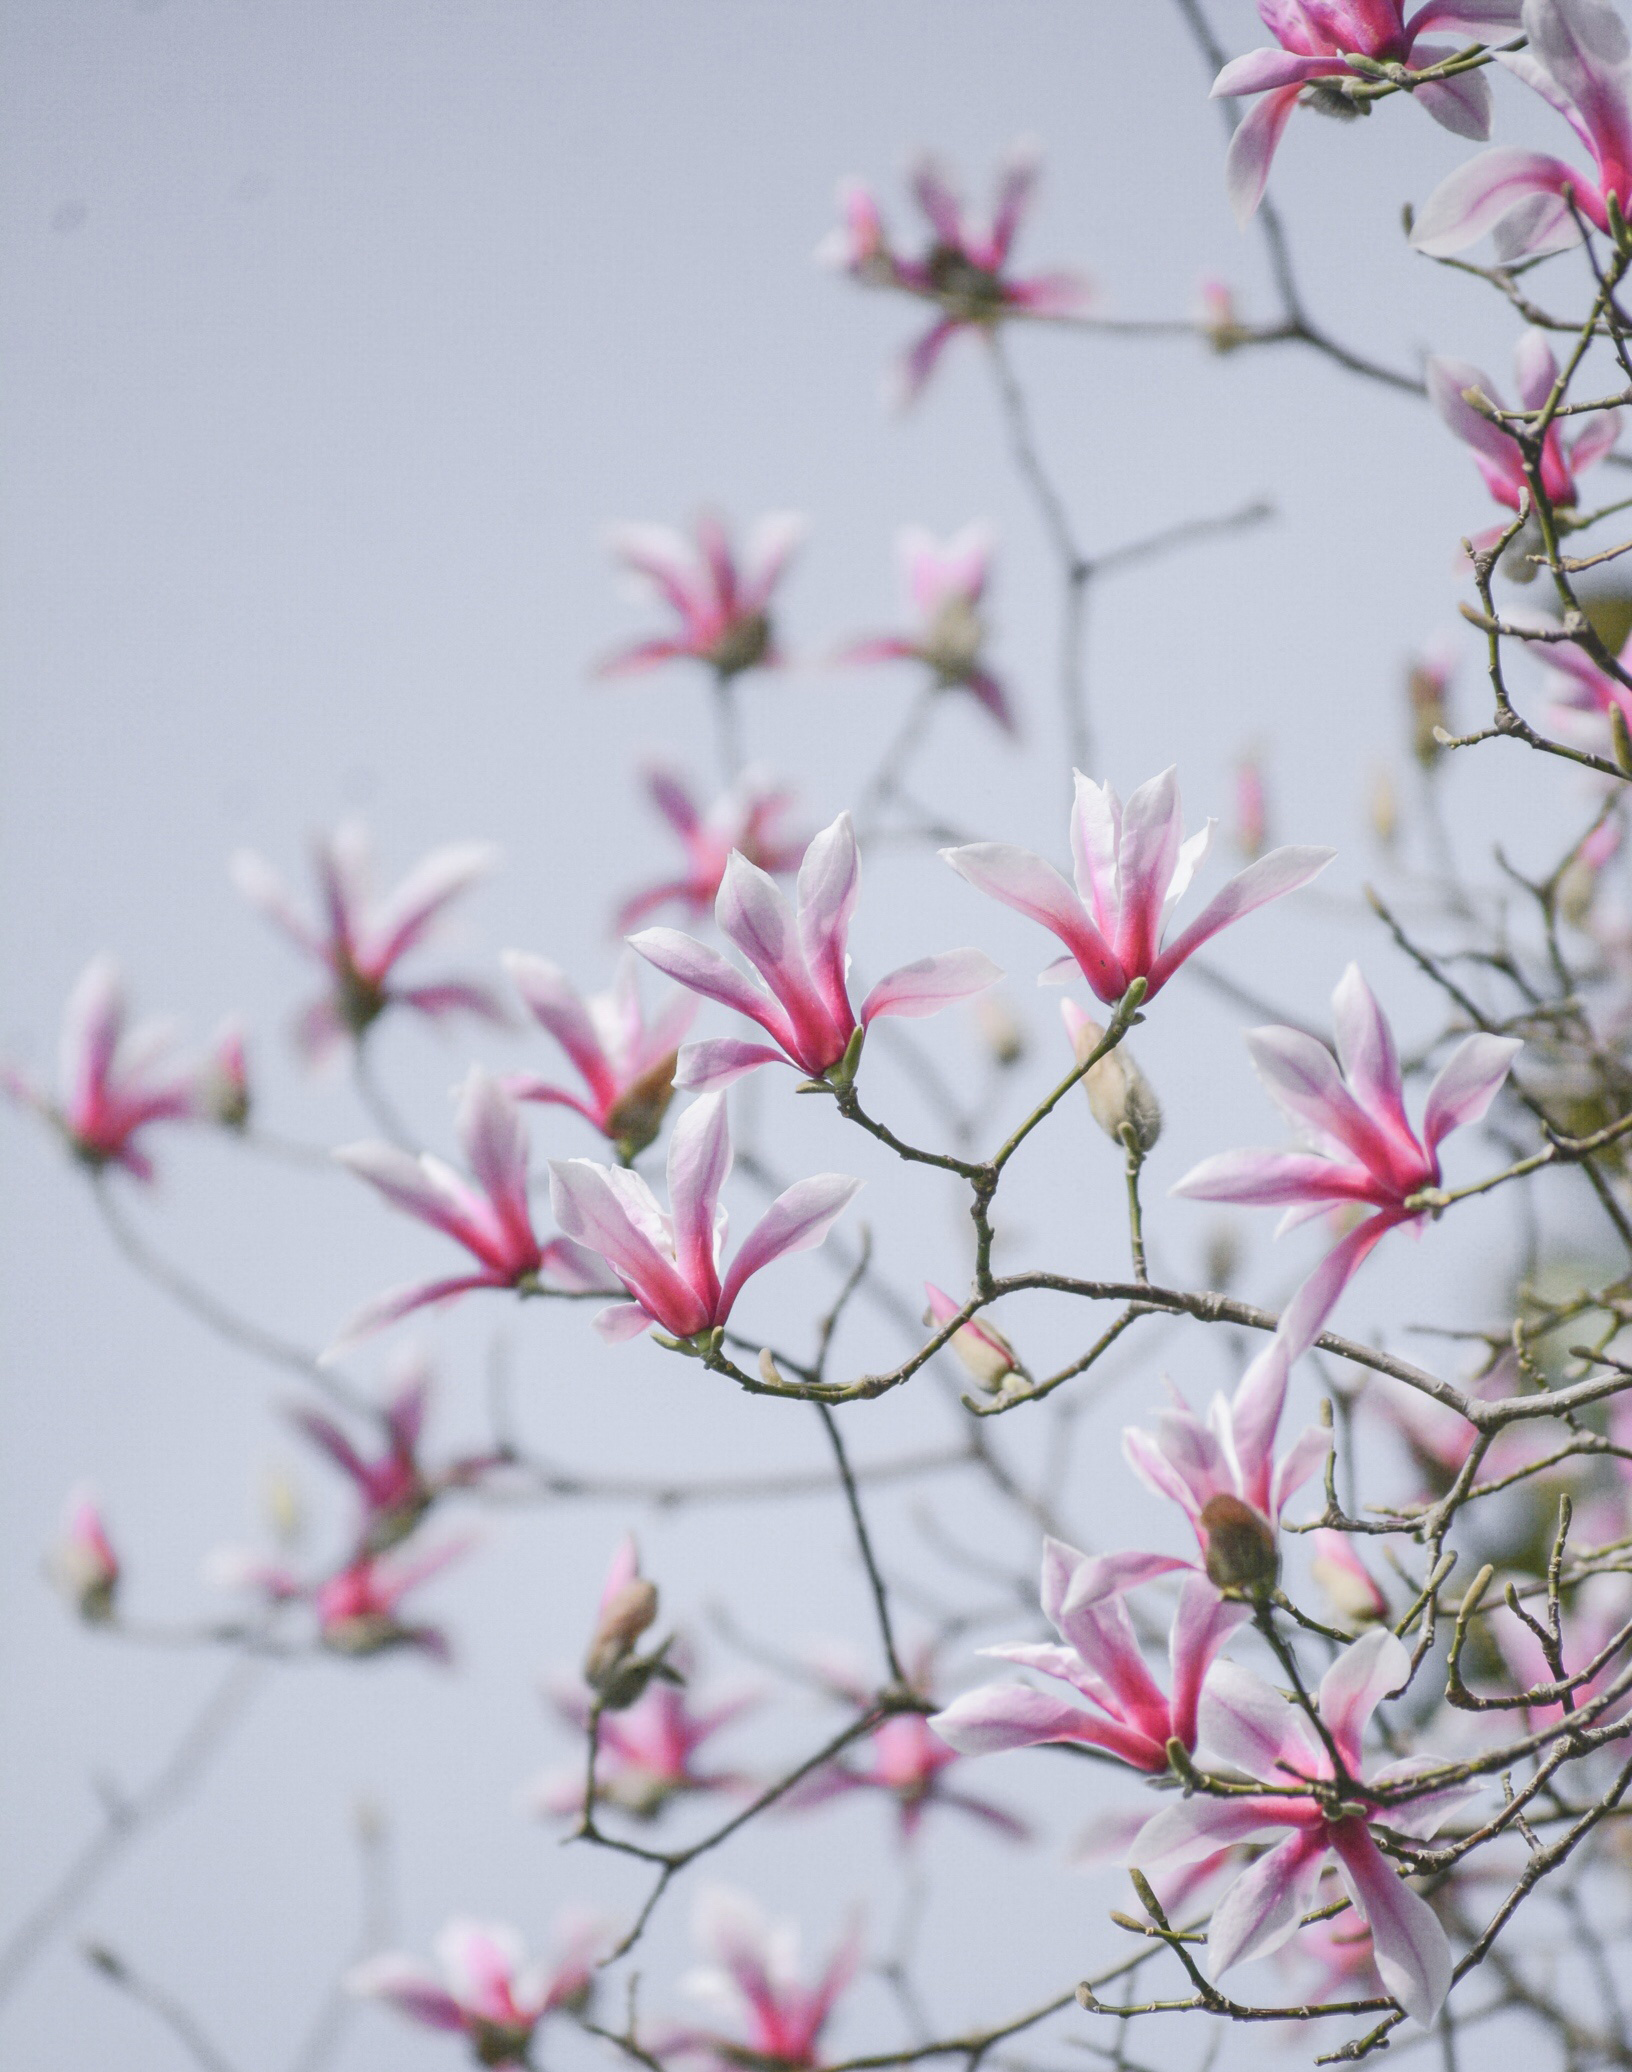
(1247, 1724)
(647, 1753)
(903, 1759)
(1496, 452)
(1350, 1587)
(1225, 1475)
(1584, 696)
(752, 1975)
(488, 1991)
(1132, 866)
(114, 1081)
(83, 1563)
(964, 269)
(744, 818)
(394, 1488)
(492, 1219)
(1579, 61)
(358, 1608)
(625, 1061)
(1316, 38)
(670, 1264)
(722, 604)
(360, 939)
(945, 583)
(1130, 1716)
(1362, 1151)
(804, 1002)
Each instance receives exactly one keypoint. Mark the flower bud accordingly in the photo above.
(1241, 1553)
(984, 1351)
(1383, 810)
(1343, 1576)
(82, 1564)
(223, 1080)
(1001, 1029)
(1427, 685)
(637, 1116)
(1119, 1094)
(1251, 809)
(1216, 315)
(625, 1616)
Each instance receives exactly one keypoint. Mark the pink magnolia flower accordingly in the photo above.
(358, 1608)
(670, 1264)
(753, 1976)
(1584, 695)
(492, 1219)
(625, 1061)
(1254, 1729)
(83, 1563)
(743, 818)
(1495, 452)
(903, 1758)
(1316, 39)
(648, 1753)
(489, 1991)
(114, 1081)
(723, 605)
(1362, 1149)
(1225, 1475)
(1133, 865)
(394, 1487)
(1579, 62)
(946, 584)
(964, 271)
(804, 1002)
(1130, 1716)
(360, 939)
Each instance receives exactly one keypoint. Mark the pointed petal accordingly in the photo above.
(1271, 877)
(1365, 1049)
(929, 984)
(1259, 71)
(705, 1067)
(1255, 1416)
(1475, 198)
(589, 1208)
(1263, 1907)
(699, 1162)
(753, 911)
(829, 880)
(556, 1005)
(1357, 1682)
(705, 971)
(1247, 1722)
(404, 917)
(1202, 1625)
(798, 1219)
(1147, 856)
(1467, 1083)
(1408, 1945)
(1266, 1177)
(495, 1141)
(1035, 888)
(1304, 1317)
(1252, 150)
(997, 1717)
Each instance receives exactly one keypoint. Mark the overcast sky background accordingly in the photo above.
(335, 335)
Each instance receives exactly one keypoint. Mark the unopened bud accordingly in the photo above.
(282, 1507)
(82, 1564)
(1251, 809)
(1383, 809)
(637, 1116)
(624, 1618)
(1001, 1029)
(223, 1080)
(1119, 1095)
(984, 1351)
(1240, 1542)
(1427, 686)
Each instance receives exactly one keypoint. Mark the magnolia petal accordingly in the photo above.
(1147, 856)
(621, 1322)
(1254, 1419)
(1248, 1723)
(1271, 877)
(1467, 1083)
(829, 881)
(1408, 1944)
(404, 917)
(1462, 104)
(1252, 150)
(797, 1220)
(699, 1164)
(928, 984)
(588, 1207)
(704, 1067)
(1475, 198)
(555, 1004)
(1202, 1625)
(1199, 1827)
(1033, 887)
(495, 1142)
(1365, 1049)
(705, 971)
(1268, 1177)
(1263, 1907)
(1356, 1683)
(1304, 1317)
(1260, 70)
(996, 1717)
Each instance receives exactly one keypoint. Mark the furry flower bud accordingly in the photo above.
(1120, 1097)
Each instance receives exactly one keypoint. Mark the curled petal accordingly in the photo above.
(930, 983)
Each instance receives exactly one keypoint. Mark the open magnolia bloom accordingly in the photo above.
(625, 1061)
(113, 1081)
(945, 582)
(722, 603)
(359, 939)
(493, 1219)
(751, 1974)
(1362, 1151)
(803, 1002)
(1579, 61)
(1496, 452)
(489, 1991)
(1127, 1712)
(1132, 867)
(964, 270)
(670, 1263)
(744, 818)
(1245, 1723)
(648, 1753)
(1316, 38)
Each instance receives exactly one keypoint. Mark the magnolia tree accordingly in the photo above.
(1360, 1688)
